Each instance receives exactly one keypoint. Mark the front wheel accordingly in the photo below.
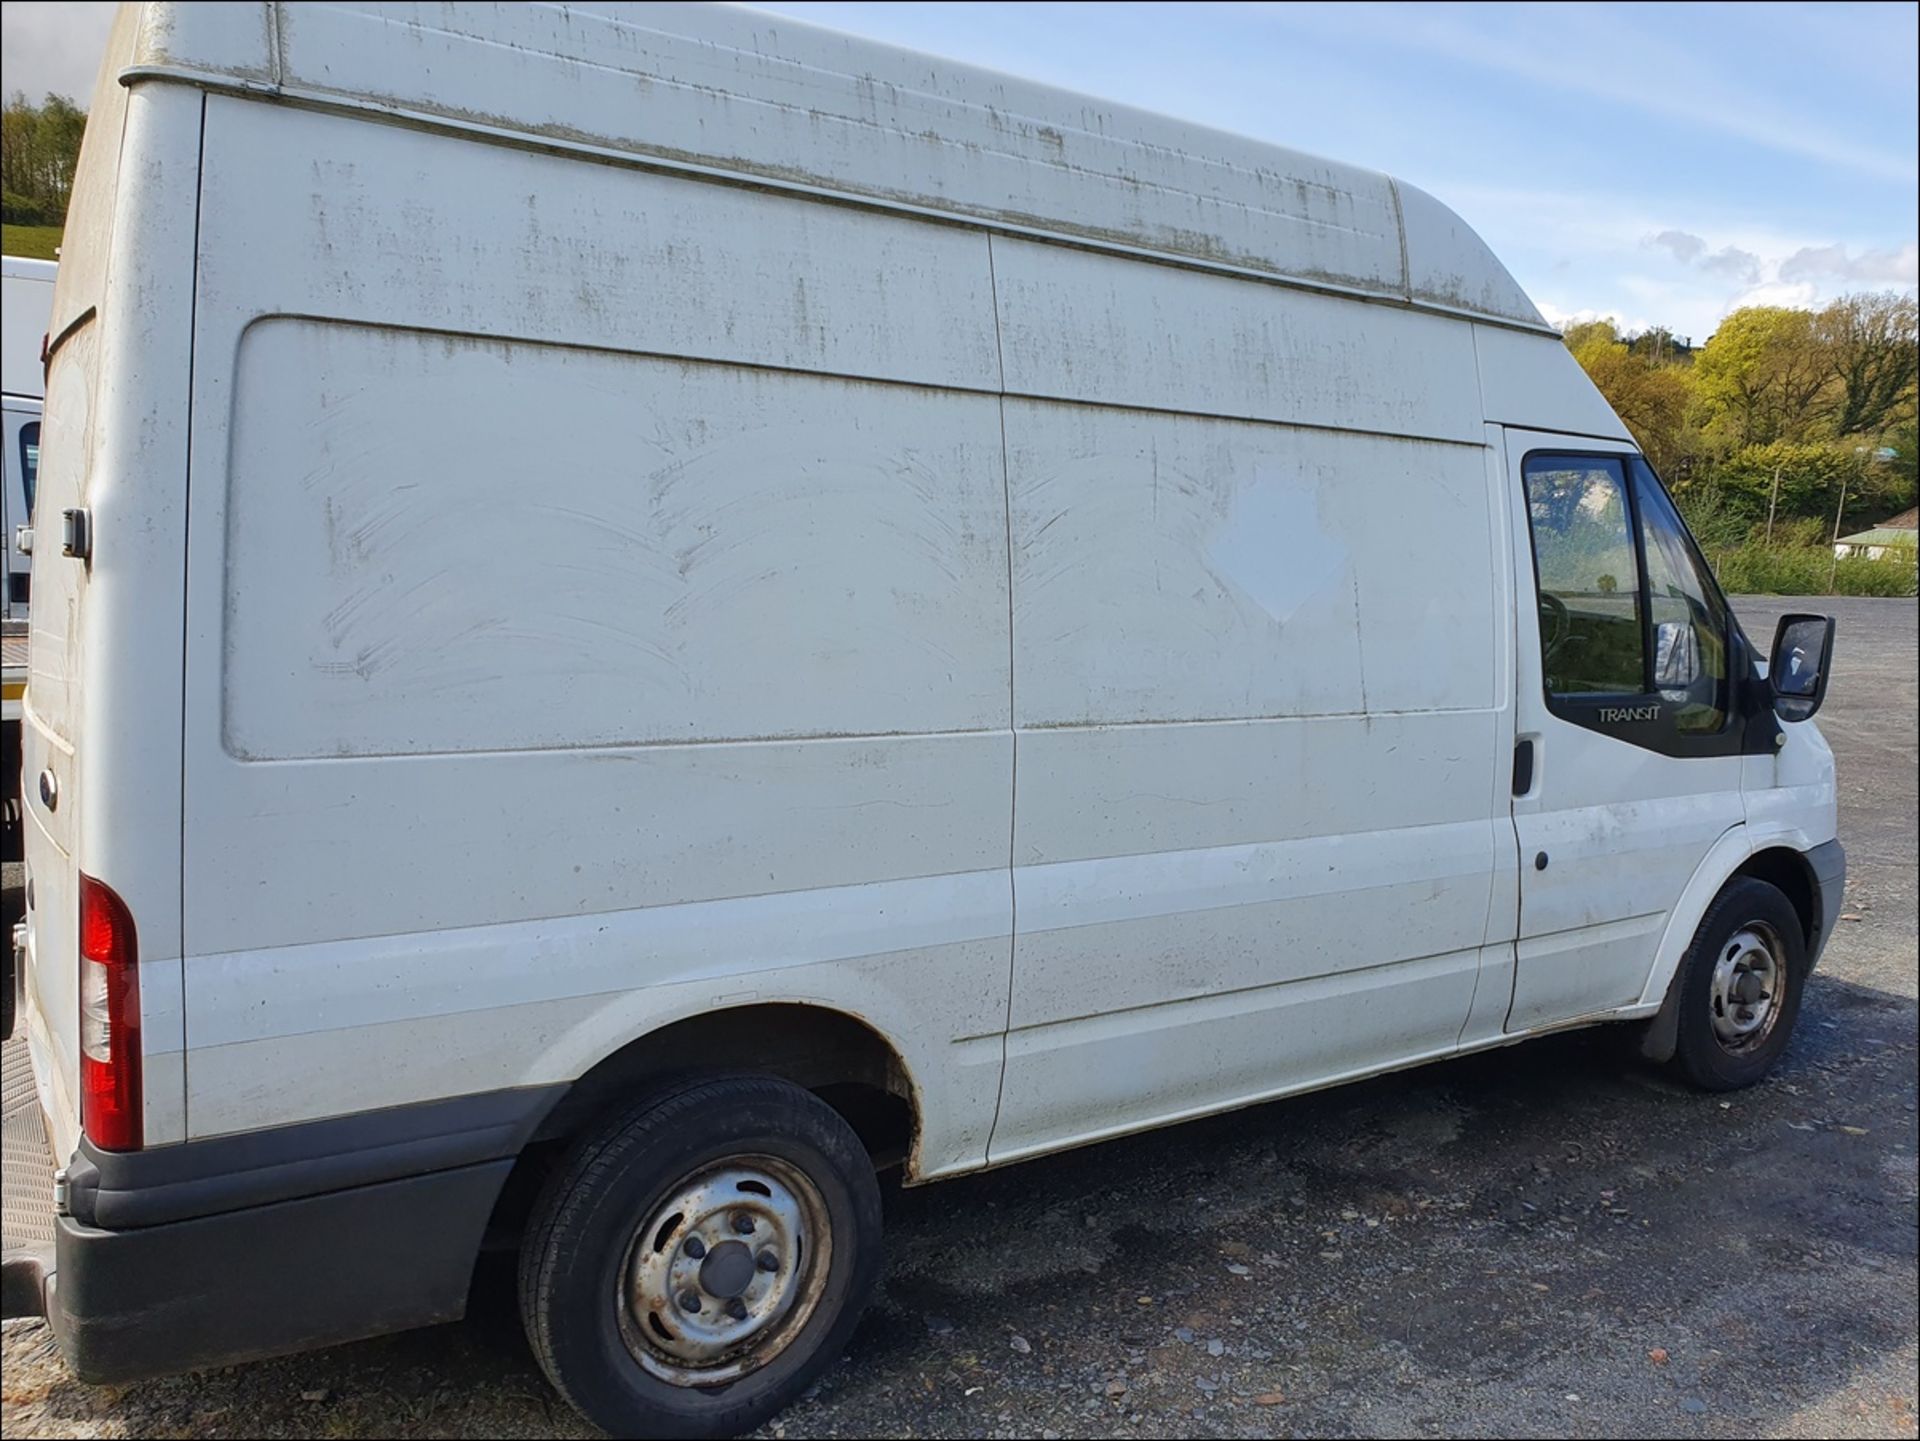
(700, 1260)
(1740, 983)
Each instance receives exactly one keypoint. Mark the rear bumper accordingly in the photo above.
(1829, 864)
(229, 1250)
(269, 1279)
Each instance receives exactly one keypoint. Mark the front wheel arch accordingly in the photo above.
(1660, 1037)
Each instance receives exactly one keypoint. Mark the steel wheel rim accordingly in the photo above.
(725, 1271)
(1749, 988)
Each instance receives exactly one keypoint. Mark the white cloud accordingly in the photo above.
(1735, 263)
(1803, 296)
(1601, 256)
(1563, 319)
(1684, 247)
(1869, 267)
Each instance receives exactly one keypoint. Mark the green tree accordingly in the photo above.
(1872, 348)
(39, 146)
(1647, 387)
(1587, 332)
(1761, 377)
(1812, 478)
(1810, 475)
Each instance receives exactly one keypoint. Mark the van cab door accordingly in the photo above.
(1628, 742)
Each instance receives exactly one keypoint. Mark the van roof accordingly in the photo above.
(752, 95)
(19, 267)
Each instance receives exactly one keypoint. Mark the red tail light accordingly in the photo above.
(109, 1020)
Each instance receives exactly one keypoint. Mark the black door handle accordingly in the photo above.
(1522, 767)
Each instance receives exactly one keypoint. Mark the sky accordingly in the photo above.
(1656, 164)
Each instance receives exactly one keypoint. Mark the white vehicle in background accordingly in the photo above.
(26, 300)
(1029, 621)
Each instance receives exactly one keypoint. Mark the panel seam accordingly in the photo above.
(186, 581)
(1013, 727)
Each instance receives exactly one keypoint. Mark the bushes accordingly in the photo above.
(1799, 561)
(1757, 569)
(23, 210)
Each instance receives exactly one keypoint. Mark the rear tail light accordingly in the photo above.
(109, 1020)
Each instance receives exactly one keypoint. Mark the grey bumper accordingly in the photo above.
(268, 1279)
(230, 1249)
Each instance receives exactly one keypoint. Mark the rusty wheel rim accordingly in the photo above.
(725, 1271)
(1749, 986)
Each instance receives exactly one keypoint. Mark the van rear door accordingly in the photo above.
(101, 733)
(50, 776)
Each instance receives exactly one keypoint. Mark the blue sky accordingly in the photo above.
(1656, 163)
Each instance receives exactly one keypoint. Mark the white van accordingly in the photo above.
(662, 609)
(26, 299)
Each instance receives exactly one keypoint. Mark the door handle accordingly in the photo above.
(1522, 767)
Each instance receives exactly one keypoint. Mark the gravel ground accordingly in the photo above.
(1541, 1240)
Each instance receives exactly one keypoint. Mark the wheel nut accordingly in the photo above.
(737, 1309)
(695, 1248)
(743, 1223)
(690, 1301)
(767, 1261)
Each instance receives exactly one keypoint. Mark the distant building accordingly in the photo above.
(1902, 533)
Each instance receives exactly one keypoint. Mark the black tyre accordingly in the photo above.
(695, 1264)
(1740, 984)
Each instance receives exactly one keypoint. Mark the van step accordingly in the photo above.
(28, 1176)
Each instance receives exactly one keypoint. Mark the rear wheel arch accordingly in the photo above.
(842, 1058)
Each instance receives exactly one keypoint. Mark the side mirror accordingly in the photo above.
(1802, 656)
(1676, 662)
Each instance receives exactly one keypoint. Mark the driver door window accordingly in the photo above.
(1592, 641)
(1635, 638)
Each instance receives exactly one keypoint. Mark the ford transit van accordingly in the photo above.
(642, 612)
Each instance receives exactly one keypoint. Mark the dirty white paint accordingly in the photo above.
(1534, 383)
(772, 97)
(635, 550)
(1173, 568)
(598, 594)
(1076, 326)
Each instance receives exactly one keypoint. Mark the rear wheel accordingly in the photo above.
(696, 1263)
(1740, 987)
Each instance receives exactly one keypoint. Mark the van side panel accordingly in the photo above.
(512, 596)
(1256, 682)
(1076, 325)
(27, 287)
(623, 550)
(1533, 381)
